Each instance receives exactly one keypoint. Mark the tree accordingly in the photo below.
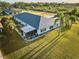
(6, 23)
(60, 18)
(5, 5)
(64, 22)
(3, 21)
(73, 16)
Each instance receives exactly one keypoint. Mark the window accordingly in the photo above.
(51, 27)
(0, 30)
(21, 32)
(43, 29)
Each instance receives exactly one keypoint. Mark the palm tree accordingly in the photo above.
(66, 19)
(73, 15)
(60, 18)
(73, 19)
(64, 22)
(68, 23)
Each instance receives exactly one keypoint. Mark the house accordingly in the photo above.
(8, 11)
(32, 26)
(12, 11)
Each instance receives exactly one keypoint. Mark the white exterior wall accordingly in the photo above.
(48, 26)
(57, 24)
(1, 30)
(39, 30)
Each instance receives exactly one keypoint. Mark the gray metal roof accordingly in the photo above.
(30, 19)
(36, 21)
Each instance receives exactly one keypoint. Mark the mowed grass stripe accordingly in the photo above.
(68, 47)
(26, 56)
(41, 46)
(29, 47)
(47, 48)
(51, 51)
(40, 49)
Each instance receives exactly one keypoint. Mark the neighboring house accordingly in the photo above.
(32, 26)
(8, 11)
(11, 11)
(1, 28)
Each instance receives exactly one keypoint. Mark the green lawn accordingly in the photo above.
(68, 47)
(46, 47)
(16, 48)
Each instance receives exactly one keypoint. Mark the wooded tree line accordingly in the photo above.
(49, 7)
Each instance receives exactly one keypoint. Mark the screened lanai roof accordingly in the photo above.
(27, 28)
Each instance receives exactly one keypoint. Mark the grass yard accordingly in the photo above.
(46, 47)
(14, 47)
(68, 47)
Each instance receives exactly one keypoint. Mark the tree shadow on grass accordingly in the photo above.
(12, 42)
